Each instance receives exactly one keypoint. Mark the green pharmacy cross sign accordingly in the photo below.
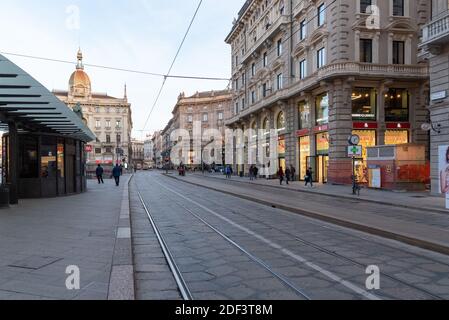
(355, 151)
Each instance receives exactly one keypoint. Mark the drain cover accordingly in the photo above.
(35, 262)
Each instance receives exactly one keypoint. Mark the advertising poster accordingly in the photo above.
(444, 172)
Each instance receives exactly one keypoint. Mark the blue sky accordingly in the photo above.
(132, 34)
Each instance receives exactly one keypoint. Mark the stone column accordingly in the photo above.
(340, 128)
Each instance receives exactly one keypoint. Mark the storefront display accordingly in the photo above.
(322, 157)
(364, 104)
(395, 137)
(367, 139)
(304, 153)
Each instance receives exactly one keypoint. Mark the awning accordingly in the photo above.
(33, 108)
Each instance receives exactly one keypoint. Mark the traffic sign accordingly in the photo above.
(355, 151)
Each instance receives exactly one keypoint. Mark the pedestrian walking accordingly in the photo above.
(288, 174)
(281, 175)
(228, 172)
(251, 173)
(309, 177)
(293, 173)
(256, 172)
(117, 173)
(99, 172)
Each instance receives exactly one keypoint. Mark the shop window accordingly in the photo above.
(304, 153)
(396, 137)
(304, 115)
(322, 109)
(322, 143)
(367, 139)
(48, 161)
(28, 158)
(397, 103)
(364, 104)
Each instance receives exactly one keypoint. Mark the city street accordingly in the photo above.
(226, 247)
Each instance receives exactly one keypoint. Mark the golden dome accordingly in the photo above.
(79, 78)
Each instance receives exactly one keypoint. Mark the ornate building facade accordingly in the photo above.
(319, 71)
(208, 109)
(435, 42)
(108, 117)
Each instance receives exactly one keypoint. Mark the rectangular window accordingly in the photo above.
(48, 159)
(303, 30)
(265, 59)
(397, 102)
(108, 138)
(253, 69)
(97, 150)
(398, 52)
(280, 81)
(322, 109)
(253, 97)
(364, 4)
(321, 15)
(220, 116)
(366, 50)
(28, 157)
(321, 58)
(190, 119)
(398, 8)
(108, 123)
(279, 47)
(302, 69)
(364, 104)
(118, 124)
(108, 150)
(205, 117)
(243, 80)
(236, 110)
(243, 103)
(97, 124)
(119, 138)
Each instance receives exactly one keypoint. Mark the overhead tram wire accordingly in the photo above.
(172, 64)
(160, 75)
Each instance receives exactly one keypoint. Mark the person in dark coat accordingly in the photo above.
(288, 174)
(293, 173)
(99, 172)
(309, 177)
(281, 175)
(256, 172)
(116, 173)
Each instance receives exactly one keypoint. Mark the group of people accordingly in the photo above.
(288, 175)
(253, 173)
(117, 172)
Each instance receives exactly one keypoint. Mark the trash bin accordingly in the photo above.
(4, 196)
(241, 174)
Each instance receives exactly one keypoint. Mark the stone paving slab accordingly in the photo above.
(42, 237)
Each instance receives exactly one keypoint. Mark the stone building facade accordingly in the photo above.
(138, 153)
(435, 43)
(108, 117)
(208, 109)
(319, 71)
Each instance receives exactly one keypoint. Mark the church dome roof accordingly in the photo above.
(79, 78)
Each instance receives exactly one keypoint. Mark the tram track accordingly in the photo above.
(180, 280)
(355, 262)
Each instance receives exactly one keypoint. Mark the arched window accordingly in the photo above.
(281, 121)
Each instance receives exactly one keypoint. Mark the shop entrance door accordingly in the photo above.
(311, 163)
(323, 166)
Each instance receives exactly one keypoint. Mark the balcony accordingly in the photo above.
(437, 31)
(343, 69)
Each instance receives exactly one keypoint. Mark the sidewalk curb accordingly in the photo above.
(424, 244)
(446, 212)
(122, 283)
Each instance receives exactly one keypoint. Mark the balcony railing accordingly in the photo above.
(336, 70)
(436, 29)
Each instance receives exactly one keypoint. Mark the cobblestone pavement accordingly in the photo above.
(321, 260)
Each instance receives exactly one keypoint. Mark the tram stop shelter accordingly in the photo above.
(43, 147)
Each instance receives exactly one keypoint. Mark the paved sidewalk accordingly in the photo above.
(40, 238)
(418, 227)
(416, 200)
